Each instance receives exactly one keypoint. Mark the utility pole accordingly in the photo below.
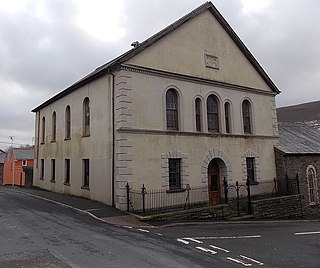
(11, 138)
(13, 171)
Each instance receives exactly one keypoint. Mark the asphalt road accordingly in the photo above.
(36, 233)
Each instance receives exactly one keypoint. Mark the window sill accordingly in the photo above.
(85, 136)
(53, 181)
(53, 141)
(175, 191)
(42, 143)
(85, 187)
(313, 204)
(67, 139)
(41, 179)
(66, 184)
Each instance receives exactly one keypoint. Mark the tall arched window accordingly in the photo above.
(172, 109)
(43, 130)
(86, 117)
(54, 127)
(198, 114)
(312, 185)
(246, 116)
(213, 114)
(227, 117)
(68, 123)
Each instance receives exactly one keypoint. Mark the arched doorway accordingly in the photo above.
(214, 182)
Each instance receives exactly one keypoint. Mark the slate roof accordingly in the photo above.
(23, 153)
(298, 138)
(111, 65)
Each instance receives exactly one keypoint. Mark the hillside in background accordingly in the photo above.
(298, 113)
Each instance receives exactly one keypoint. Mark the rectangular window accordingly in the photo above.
(42, 169)
(174, 173)
(86, 171)
(250, 169)
(53, 170)
(67, 171)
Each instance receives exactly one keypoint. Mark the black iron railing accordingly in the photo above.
(149, 201)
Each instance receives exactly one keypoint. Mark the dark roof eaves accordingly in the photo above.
(95, 74)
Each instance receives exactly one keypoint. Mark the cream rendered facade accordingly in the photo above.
(198, 57)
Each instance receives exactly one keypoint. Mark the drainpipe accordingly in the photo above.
(113, 140)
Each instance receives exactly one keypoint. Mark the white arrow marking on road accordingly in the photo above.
(142, 230)
(183, 241)
(307, 233)
(222, 249)
(206, 250)
(128, 227)
(238, 261)
(193, 240)
(253, 260)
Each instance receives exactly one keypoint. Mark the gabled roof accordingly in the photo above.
(298, 138)
(108, 67)
(23, 153)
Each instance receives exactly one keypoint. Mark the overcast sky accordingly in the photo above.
(46, 45)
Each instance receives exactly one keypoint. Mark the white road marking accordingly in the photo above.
(207, 250)
(228, 237)
(222, 249)
(183, 241)
(307, 233)
(159, 234)
(193, 240)
(253, 260)
(143, 230)
(128, 227)
(238, 261)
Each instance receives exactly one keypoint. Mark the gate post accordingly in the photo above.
(128, 196)
(249, 196)
(143, 192)
(238, 197)
(225, 186)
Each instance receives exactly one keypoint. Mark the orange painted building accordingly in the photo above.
(14, 162)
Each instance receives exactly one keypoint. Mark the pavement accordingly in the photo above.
(95, 209)
(111, 215)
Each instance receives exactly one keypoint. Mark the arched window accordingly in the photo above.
(54, 127)
(213, 114)
(312, 185)
(86, 117)
(227, 117)
(198, 114)
(43, 130)
(172, 109)
(68, 123)
(246, 116)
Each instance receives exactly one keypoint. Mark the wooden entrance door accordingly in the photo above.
(214, 183)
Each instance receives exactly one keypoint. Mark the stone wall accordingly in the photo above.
(293, 164)
(220, 212)
(278, 207)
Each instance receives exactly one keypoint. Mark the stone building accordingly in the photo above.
(298, 153)
(186, 107)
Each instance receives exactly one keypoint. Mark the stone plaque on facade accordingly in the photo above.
(211, 61)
